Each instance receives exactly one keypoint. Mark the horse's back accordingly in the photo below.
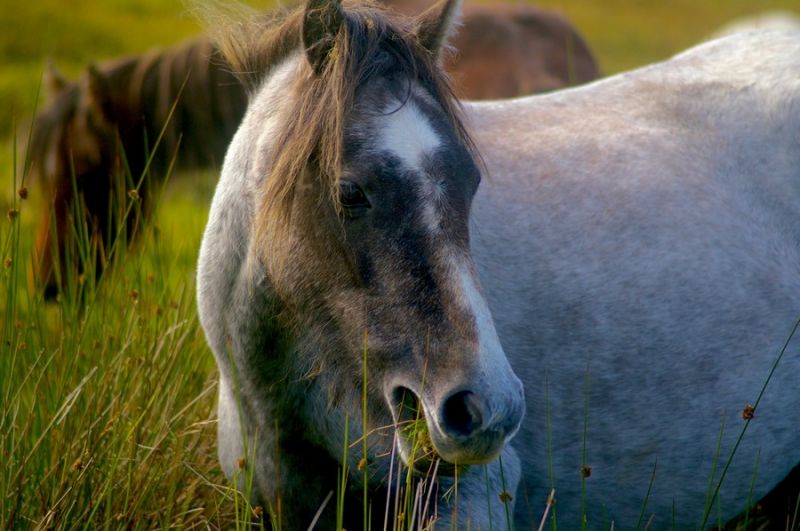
(638, 242)
(188, 94)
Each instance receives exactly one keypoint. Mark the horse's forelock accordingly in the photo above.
(314, 137)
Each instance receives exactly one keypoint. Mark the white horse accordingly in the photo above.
(638, 244)
(636, 240)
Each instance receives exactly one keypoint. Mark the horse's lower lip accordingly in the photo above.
(423, 459)
(413, 438)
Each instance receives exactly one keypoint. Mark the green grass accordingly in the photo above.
(108, 394)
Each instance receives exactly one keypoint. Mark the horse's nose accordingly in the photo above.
(473, 424)
(462, 414)
(466, 426)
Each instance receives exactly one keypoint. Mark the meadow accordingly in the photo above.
(107, 395)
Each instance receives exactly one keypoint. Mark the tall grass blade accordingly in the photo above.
(747, 421)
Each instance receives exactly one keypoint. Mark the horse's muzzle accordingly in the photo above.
(464, 427)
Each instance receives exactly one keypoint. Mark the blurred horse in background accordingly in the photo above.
(123, 123)
(118, 128)
(505, 50)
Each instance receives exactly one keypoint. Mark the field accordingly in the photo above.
(107, 395)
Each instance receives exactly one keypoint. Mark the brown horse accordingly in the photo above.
(504, 50)
(103, 127)
(117, 125)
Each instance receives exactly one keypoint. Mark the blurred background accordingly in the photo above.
(622, 33)
(70, 34)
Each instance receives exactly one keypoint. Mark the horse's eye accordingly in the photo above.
(352, 198)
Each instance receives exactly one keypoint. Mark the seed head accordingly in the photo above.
(134, 295)
(77, 465)
(22, 193)
(133, 194)
(748, 412)
(586, 471)
(13, 213)
(241, 462)
(362, 464)
(505, 496)
(258, 511)
(8, 262)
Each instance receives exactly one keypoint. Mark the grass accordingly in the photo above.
(108, 394)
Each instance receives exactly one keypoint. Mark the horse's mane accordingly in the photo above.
(322, 101)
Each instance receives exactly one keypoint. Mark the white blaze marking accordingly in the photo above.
(407, 133)
(492, 361)
(472, 299)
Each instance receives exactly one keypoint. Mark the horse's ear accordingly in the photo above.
(437, 24)
(321, 24)
(54, 81)
(98, 90)
(97, 83)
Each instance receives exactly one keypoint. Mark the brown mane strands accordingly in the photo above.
(313, 140)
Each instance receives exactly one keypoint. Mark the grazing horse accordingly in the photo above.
(104, 128)
(636, 242)
(339, 226)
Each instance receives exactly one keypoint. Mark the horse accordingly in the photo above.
(618, 259)
(105, 125)
(510, 50)
(113, 128)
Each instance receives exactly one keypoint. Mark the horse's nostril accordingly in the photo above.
(406, 405)
(462, 414)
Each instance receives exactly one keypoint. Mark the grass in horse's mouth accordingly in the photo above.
(416, 446)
